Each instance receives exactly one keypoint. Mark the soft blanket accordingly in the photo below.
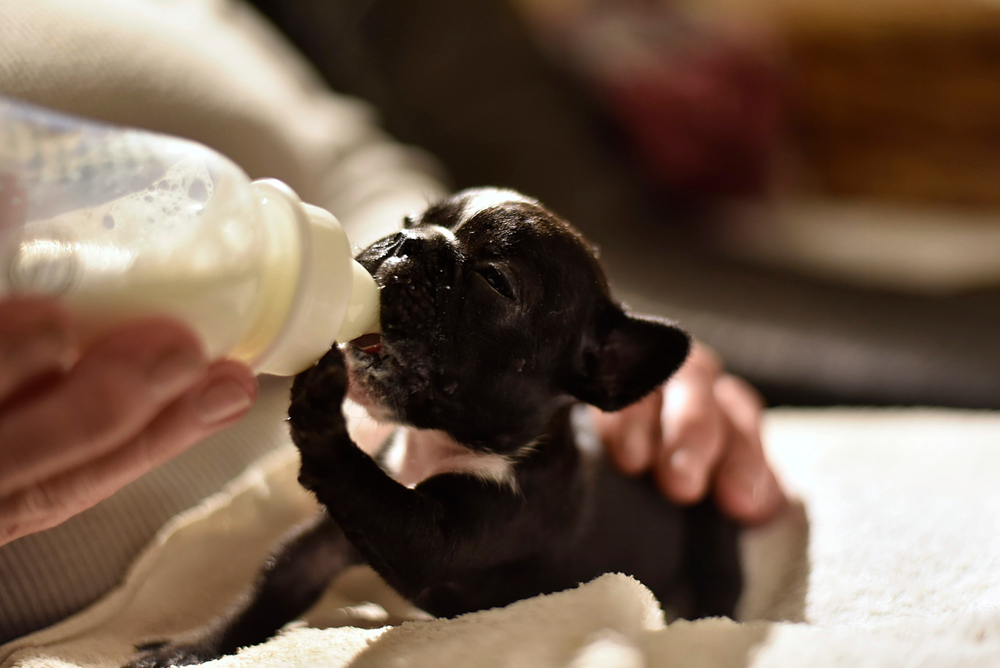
(889, 557)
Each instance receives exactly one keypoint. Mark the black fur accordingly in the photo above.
(496, 321)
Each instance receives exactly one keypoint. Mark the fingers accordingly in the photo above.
(632, 436)
(219, 399)
(132, 400)
(700, 434)
(36, 338)
(694, 435)
(745, 488)
(118, 385)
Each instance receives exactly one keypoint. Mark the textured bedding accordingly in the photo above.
(890, 556)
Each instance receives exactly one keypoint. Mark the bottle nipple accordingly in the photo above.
(335, 300)
(363, 310)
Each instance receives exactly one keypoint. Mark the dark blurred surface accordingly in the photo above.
(465, 81)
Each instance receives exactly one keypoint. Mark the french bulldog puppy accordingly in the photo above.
(497, 324)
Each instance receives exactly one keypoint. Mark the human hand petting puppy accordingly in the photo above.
(77, 423)
(699, 434)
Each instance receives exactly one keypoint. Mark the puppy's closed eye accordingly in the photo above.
(496, 280)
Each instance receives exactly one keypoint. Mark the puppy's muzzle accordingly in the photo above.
(417, 277)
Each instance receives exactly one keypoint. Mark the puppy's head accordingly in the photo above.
(494, 313)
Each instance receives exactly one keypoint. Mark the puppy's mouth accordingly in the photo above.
(368, 343)
(385, 374)
(371, 368)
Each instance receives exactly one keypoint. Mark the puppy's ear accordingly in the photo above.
(626, 358)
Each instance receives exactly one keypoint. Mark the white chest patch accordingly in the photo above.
(416, 455)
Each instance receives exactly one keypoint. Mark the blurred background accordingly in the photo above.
(812, 187)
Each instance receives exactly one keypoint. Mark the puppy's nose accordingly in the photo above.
(415, 239)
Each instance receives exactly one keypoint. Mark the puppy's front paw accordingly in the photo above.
(317, 421)
(317, 394)
(166, 654)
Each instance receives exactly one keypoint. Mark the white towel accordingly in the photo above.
(892, 558)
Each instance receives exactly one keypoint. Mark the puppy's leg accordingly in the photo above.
(412, 537)
(291, 581)
(713, 560)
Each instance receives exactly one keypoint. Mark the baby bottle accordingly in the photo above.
(122, 223)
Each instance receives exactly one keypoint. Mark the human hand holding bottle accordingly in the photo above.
(80, 421)
(120, 223)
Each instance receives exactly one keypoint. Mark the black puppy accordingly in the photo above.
(497, 322)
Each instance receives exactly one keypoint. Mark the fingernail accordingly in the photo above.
(683, 472)
(751, 485)
(222, 400)
(174, 372)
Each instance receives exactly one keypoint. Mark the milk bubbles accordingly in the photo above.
(185, 240)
